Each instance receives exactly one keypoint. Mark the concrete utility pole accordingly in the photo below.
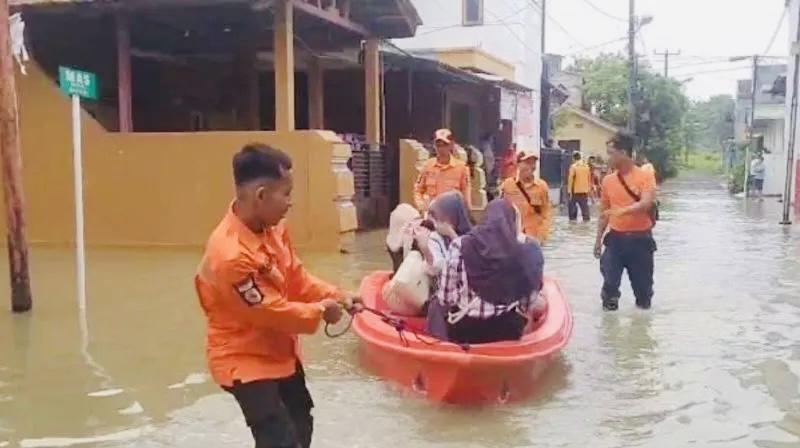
(11, 161)
(751, 147)
(631, 66)
(666, 55)
(544, 24)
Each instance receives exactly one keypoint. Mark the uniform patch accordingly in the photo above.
(248, 291)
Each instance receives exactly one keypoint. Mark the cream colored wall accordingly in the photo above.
(593, 137)
(164, 188)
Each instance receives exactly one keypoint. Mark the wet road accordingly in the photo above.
(715, 363)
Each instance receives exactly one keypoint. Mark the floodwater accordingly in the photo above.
(714, 363)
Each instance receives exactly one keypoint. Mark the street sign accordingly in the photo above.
(77, 82)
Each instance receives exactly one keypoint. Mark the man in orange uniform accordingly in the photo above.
(626, 202)
(442, 173)
(579, 185)
(257, 298)
(531, 196)
(647, 166)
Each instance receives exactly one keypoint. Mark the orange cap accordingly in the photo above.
(443, 135)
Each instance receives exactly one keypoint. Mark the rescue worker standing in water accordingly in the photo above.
(531, 196)
(626, 204)
(442, 173)
(257, 298)
(579, 185)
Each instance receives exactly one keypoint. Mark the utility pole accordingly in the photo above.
(666, 55)
(751, 147)
(787, 185)
(11, 161)
(544, 24)
(631, 66)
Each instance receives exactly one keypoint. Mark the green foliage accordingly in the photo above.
(661, 107)
(712, 121)
(703, 162)
(736, 179)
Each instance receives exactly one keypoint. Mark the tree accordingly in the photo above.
(661, 106)
(713, 120)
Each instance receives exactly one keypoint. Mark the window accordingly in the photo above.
(472, 12)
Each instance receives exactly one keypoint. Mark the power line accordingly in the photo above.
(500, 21)
(666, 55)
(720, 70)
(557, 24)
(594, 47)
(597, 9)
(777, 29)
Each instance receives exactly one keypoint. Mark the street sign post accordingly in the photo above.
(78, 84)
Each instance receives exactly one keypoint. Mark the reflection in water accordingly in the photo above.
(715, 363)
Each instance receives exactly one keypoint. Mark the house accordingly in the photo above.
(768, 126)
(182, 86)
(578, 130)
(497, 40)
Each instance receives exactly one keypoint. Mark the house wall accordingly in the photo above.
(593, 137)
(511, 31)
(163, 188)
(775, 162)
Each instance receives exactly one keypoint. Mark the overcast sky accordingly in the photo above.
(707, 32)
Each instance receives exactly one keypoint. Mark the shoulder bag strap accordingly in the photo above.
(524, 193)
(630, 192)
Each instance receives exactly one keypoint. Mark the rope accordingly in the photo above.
(400, 325)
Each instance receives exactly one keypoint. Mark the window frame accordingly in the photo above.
(464, 8)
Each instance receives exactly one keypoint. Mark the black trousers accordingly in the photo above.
(631, 252)
(578, 200)
(506, 327)
(278, 412)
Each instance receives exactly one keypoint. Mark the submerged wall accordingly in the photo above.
(164, 188)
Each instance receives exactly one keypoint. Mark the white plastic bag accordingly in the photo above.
(407, 291)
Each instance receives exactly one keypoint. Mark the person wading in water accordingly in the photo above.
(627, 208)
(258, 298)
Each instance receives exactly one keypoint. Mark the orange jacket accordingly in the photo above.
(537, 215)
(436, 178)
(257, 298)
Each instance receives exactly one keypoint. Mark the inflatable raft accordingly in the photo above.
(397, 349)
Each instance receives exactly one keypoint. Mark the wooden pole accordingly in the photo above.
(11, 160)
(124, 72)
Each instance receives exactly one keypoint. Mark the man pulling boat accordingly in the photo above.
(258, 297)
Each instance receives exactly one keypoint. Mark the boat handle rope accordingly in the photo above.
(400, 325)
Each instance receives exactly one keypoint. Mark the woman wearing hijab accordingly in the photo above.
(490, 281)
(450, 218)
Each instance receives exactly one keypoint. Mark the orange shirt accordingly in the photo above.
(580, 178)
(614, 196)
(257, 298)
(534, 224)
(436, 178)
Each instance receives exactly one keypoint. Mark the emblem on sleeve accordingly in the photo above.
(248, 291)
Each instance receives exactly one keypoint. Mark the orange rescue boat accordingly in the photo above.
(498, 372)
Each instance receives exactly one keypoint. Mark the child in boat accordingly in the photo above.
(490, 283)
(449, 215)
(404, 223)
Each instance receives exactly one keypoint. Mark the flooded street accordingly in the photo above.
(715, 363)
